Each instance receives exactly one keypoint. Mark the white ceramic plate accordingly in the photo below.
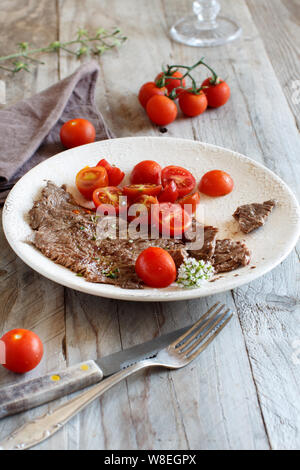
(253, 183)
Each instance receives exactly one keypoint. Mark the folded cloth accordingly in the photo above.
(29, 130)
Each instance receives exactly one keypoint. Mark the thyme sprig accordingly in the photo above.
(83, 44)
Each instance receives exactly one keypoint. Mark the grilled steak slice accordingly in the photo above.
(252, 216)
(206, 236)
(230, 255)
(66, 233)
(179, 256)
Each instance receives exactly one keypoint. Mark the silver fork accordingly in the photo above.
(178, 354)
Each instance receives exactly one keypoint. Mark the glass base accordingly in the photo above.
(192, 32)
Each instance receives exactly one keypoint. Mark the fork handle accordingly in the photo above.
(38, 430)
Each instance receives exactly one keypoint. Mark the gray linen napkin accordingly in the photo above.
(29, 130)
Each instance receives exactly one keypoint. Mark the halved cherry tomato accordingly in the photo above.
(169, 193)
(172, 83)
(141, 204)
(148, 90)
(90, 178)
(161, 110)
(184, 180)
(190, 202)
(217, 94)
(216, 183)
(156, 267)
(146, 171)
(171, 219)
(109, 196)
(77, 132)
(23, 350)
(133, 191)
(192, 104)
(115, 175)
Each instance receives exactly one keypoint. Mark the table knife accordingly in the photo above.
(15, 398)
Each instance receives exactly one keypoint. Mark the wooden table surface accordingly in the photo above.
(243, 392)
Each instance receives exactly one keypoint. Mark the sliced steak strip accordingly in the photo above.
(230, 255)
(252, 216)
(179, 256)
(206, 236)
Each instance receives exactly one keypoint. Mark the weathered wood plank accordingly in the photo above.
(27, 299)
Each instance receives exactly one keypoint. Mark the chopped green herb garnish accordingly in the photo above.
(79, 274)
(193, 273)
(112, 274)
(82, 228)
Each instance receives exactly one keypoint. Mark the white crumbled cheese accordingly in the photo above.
(193, 273)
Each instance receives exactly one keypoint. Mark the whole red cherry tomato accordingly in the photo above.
(169, 193)
(148, 90)
(217, 94)
(183, 179)
(115, 175)
(146, 171)
(23, 350)
(216, 183)
(90, 178)
(190, 202)
(171, 83)
(161, 110)
(171, 219)
(192, 104)
(156, 267)
(77, 132)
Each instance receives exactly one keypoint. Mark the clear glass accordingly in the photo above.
(204, 27)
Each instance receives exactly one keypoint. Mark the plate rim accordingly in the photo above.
(137, 294)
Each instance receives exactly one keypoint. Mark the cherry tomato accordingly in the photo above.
(192, 104)
(156, 267)
(141, 205)
(184, 180)
(171, 83)
(169, 193)
(171, 219)
(109, 196)
(77, 132)
(115, 175)
(23, 350)
(216, 94)
(90, 178)
(148, 90)
(146, 171)
(161, 110)
(133, 191)
(216, 183)
(190, 202)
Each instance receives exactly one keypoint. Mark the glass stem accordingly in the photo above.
(206, 12)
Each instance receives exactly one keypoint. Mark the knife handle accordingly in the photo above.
(35, 392)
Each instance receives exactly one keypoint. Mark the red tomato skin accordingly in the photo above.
(192, 104)
(87, 187)
(190, 200)
(134, 191)
(156, 267)
(217, 95)
(148, 90)
(173, 227)
(77, 132)
(161, 110)
(115, 175)
(173, 172)
(216, 183)
(24, 353)
(170, 83)
(146, 172)
(169, 193)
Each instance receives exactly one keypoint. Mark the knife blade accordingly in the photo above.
(15, 398)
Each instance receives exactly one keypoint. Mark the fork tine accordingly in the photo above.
(187, 333)
(202, 327)
(200, 340)
(210, 339)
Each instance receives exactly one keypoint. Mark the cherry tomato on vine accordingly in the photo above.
(183, 179)
(216, 183)
(115, 175)
(133, 191)
(23, 350)
(146, 171)
(77, 132)
(192, 104)
(161, 110)
(156, 267)
(148, 90)
(172, 84)
(190, 202)
(216, 94)
(171, 219)
(169, 193)
(90, 178)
